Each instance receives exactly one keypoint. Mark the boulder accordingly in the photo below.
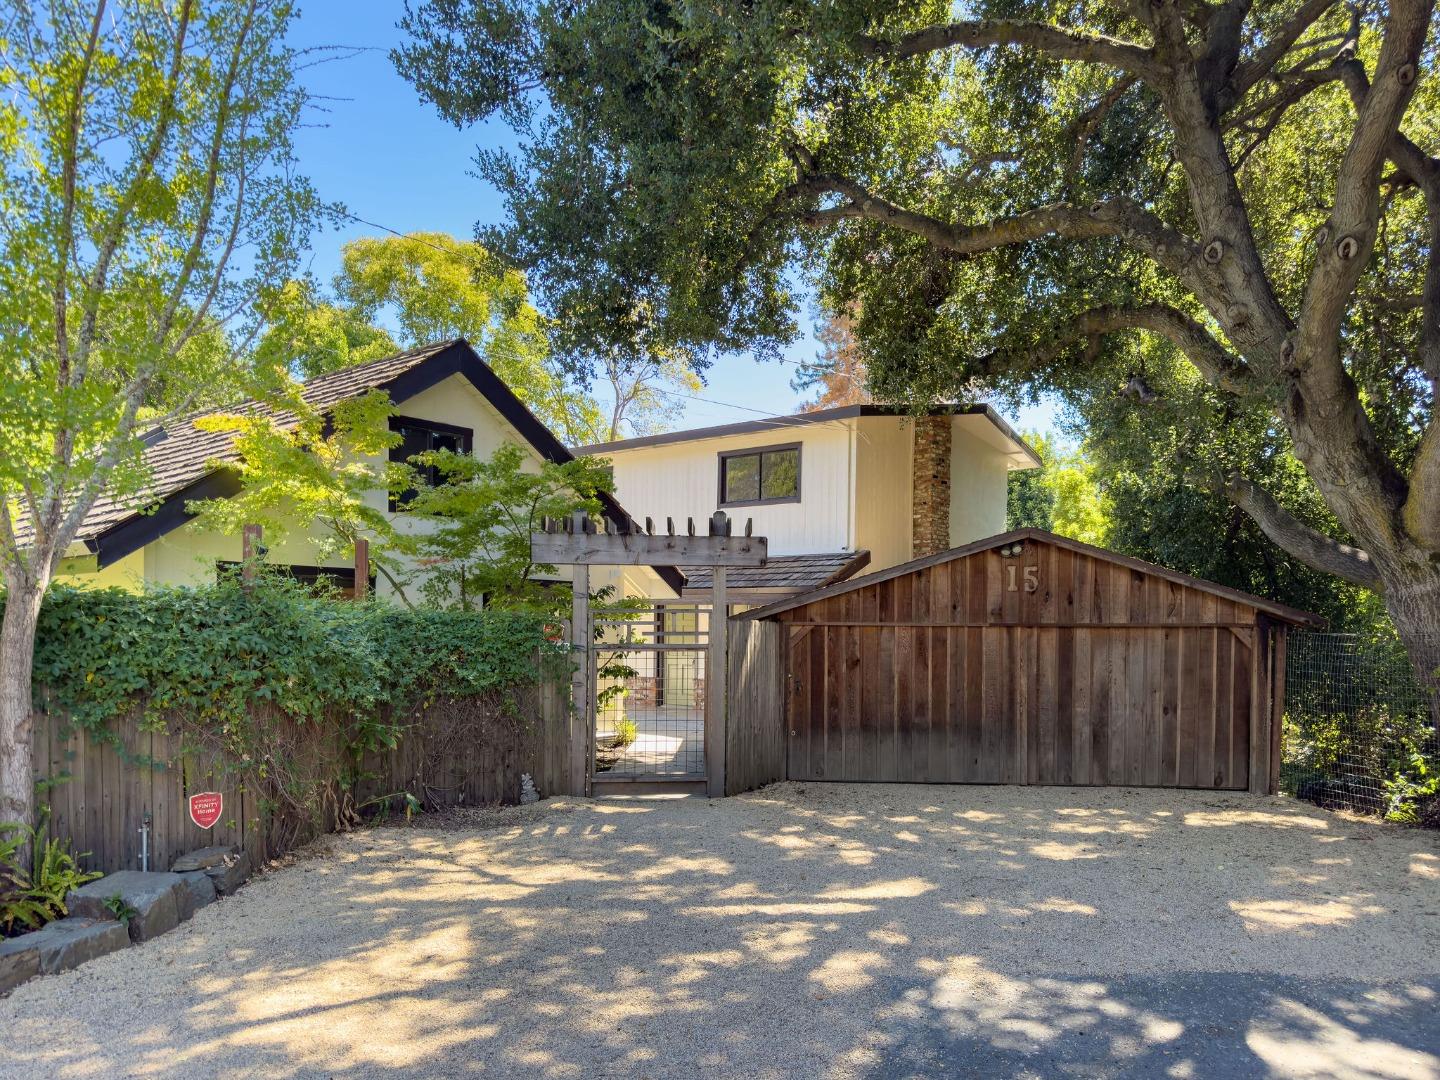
(19, 961)
(230, 874)
(203, 859)
(68, 943)
(154, 897)
(199, 890)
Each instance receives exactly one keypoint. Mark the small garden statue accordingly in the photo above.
(528, 794)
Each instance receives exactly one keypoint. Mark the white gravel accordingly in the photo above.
(789, 932)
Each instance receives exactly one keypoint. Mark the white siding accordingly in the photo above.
(883, 491)
(979, 484)
(682, 480)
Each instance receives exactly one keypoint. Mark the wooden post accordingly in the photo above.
(249, 552)
(581, 749)
(717, 680)
(362, 567)
(1277, 709)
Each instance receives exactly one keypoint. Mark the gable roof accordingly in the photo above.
(820, 416)
(182, 460)
(1280, 611)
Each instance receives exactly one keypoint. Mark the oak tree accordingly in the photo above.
(1005, 197)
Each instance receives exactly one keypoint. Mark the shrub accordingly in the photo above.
(625, 732)
(31, 898)
(286, 690)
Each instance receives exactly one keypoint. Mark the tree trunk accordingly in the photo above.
(1414, 607)
(17, 661)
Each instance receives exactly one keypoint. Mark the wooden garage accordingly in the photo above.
(1026, 658)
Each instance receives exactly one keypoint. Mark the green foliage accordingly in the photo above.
(1414, 792)
(1064, 495)
(625, 733)
(120, 908)
(33, 889)
(207, 656)
(285, 689)
(309, 337)
(326, 473)
(144, 157)
(480, 516)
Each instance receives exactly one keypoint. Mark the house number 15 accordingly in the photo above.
(1032, 578)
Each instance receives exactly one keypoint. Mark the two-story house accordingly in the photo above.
(838, 492)
(445, 396)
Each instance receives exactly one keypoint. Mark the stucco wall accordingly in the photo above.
(979, 482)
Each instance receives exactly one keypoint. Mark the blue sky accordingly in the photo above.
(392, 161)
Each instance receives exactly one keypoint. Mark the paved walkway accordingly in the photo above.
(829, 931)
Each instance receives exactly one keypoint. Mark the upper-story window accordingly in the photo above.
(765, 474)
(418, 436)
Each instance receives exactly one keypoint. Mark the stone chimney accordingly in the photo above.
(930, 483)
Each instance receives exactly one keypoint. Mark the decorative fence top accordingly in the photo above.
(583, 540)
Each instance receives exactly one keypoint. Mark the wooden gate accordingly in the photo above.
(1021, 705)
(1028, 658)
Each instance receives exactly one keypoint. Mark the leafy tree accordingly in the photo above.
(434, 286)
(1010, 197)
(481, 514)
(838, 374)
(149, 197)
(309, 337)
(1063, 496)
(326, 474)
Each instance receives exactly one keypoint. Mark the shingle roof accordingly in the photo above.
(783, 572)
(185, 454)
(182, 461)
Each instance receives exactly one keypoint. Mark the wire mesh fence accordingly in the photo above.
(650, 691)
(1359, 729)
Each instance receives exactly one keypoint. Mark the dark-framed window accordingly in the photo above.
(418, 437)
(761, 474)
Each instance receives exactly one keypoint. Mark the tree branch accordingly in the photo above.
(1250, 72)
(1313, 548)
(1217, 364)
(985, 33)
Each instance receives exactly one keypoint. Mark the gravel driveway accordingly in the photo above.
(805, 931)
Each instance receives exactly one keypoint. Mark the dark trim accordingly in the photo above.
(820, 416)
(456, 358)
(1281, 611)
(397, 422)
(755, 451)
(132, 534)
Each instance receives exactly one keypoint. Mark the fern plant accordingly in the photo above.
(31, 898)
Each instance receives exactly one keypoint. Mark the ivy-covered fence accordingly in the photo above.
(305, 714)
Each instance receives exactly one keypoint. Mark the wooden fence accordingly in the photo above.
(99, 796)
(755, 736)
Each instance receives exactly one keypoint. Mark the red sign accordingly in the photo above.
(206, 808)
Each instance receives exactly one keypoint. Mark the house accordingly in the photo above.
(445, 396)
(838, 492)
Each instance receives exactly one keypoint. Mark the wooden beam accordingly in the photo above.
(362, 567)
(717, 681)
(250, 536)
(642, 549)
(582, 722)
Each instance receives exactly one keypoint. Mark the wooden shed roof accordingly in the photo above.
(1283, 612)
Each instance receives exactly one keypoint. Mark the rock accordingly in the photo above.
(68, 943)
(19, 961)
(203, 859)
(199, 890)
(231, 874)
(154, 898)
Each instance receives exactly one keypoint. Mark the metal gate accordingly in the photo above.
(647, 666)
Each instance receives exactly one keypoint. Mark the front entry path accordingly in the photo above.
(801, 931)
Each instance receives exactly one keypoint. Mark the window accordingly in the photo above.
(768, 474)
(419, 436)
